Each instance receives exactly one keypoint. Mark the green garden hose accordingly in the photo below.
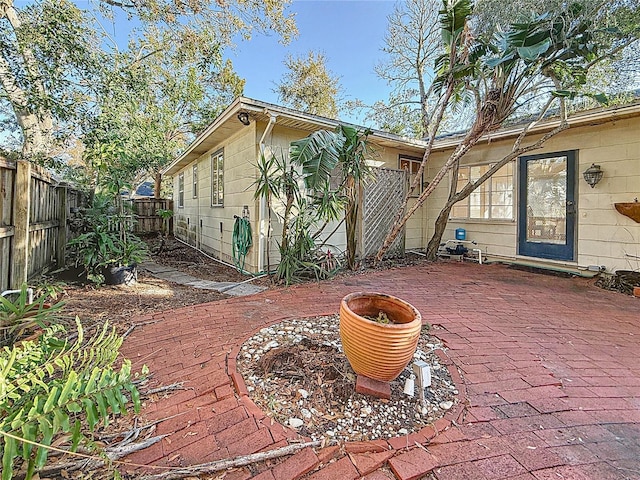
(241, 240)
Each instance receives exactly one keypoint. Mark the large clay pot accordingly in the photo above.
(375, 350)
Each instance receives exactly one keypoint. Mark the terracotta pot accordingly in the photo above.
(375, 350)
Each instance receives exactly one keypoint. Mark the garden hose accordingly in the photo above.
(241, 240)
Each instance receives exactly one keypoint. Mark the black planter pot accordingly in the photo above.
(120, 275)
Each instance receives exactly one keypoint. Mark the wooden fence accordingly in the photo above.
(34, 209)
(33, 217)
(145, 211)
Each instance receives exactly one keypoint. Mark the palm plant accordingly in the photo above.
(322, 154)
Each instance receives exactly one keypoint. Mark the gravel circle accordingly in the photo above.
(295, 372)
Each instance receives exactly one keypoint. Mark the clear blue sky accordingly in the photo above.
(350, 33)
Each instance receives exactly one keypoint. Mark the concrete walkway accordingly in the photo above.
(172, 275)
(549, 379)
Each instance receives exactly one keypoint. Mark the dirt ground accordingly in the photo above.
(121, 304)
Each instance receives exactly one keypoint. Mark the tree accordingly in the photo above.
(48, 54)
(543, 61)
(345, 151)
(309, 86)
(411, 46)
(57, 70)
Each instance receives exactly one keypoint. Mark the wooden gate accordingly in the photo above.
(382, 199)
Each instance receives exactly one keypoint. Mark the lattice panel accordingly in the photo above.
(381, 201)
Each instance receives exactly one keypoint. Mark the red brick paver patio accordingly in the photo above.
(550, 366)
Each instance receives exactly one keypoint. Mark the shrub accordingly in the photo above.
(52, 386)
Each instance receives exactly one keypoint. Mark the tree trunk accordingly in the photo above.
(157, 186)
(351, 222)
(439, 228)
(36, 123)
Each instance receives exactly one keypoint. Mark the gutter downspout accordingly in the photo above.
(263, 214)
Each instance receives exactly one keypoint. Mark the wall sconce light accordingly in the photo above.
(244, 118)
(593, 175)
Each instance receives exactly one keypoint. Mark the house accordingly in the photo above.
(213, 180)
(537, 210)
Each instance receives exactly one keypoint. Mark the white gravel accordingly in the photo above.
(308, 404)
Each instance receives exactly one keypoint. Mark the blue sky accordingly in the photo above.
(350, 33)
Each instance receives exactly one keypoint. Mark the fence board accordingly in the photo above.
(33, 213)
(145, 211)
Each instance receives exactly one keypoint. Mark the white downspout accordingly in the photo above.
(262, 221)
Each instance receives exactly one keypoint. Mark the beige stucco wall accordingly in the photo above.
(604, 237)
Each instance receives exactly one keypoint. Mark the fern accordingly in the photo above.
(53, 387)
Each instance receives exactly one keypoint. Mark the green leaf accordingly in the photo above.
(92, 413)
(102, 407)
(51, 400)
(113, 401)
(533, 52)
(74, 407)
(76, 435)
(72, 380)
(47, 435)
(60, 421)
(10, 452)
(318, 154)
(91, 383)
(29, 432)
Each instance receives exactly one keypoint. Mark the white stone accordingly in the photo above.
(446, 405)
(403, 431)
(295, 422)
(305, 413)
(303, 393)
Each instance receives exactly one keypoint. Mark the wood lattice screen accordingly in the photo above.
(381, 201)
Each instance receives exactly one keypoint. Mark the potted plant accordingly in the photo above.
(123, 266)
(379, 334)
(106, 257)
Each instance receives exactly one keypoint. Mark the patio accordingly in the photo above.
(549, 365)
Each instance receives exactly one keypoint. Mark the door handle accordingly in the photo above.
(571, 207)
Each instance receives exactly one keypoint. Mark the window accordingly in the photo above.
(181, 190)
(217, 179)
(491, 200)
(411, 165)
(195, 181)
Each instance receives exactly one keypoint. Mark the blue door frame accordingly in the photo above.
(556, 247)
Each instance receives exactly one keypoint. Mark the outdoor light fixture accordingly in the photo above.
(422, 376)
(244, 118)
(593, 175)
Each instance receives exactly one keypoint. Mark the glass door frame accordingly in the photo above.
(552, 251)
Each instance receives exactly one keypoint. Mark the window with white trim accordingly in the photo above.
(217, 179)
(181, 190)
(491, 200)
